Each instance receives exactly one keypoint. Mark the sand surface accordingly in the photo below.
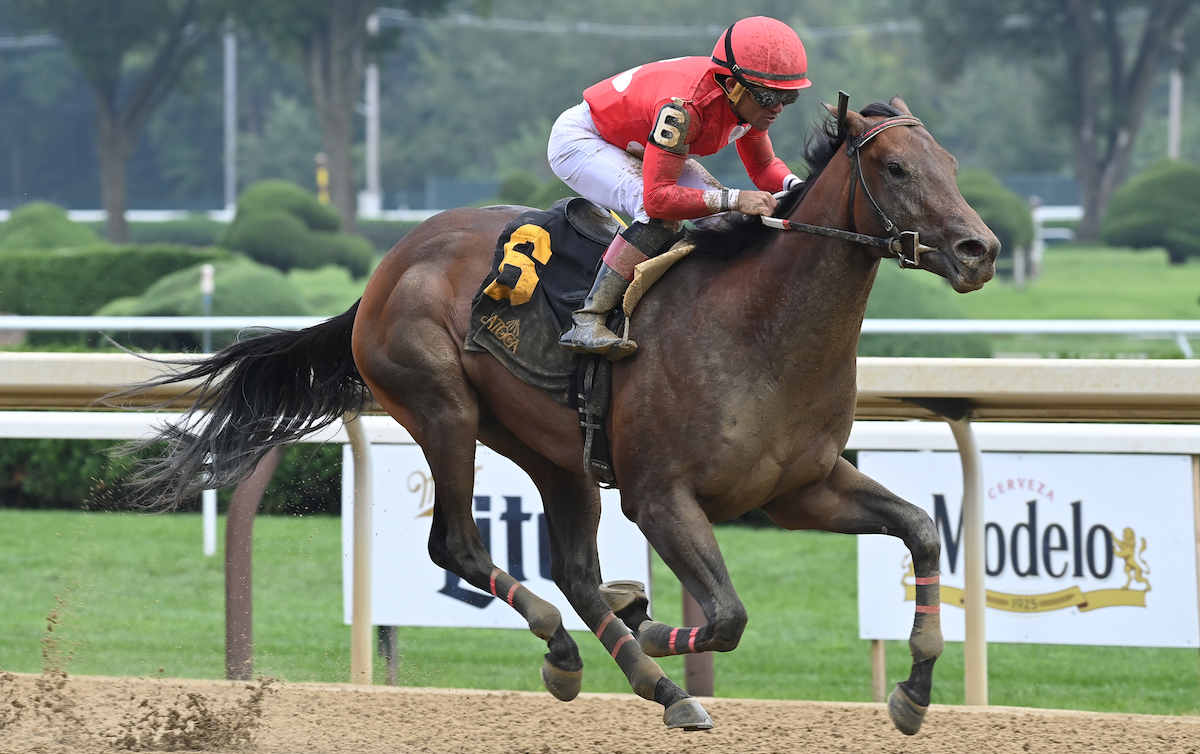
(53, 714)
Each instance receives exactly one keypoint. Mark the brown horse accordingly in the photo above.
(741, 396)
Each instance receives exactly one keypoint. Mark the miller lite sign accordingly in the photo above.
(407, 589)
(1092, 549)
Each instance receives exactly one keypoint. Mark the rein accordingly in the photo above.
(904, 246)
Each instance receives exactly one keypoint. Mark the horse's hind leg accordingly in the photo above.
(456, 545)
(849, 502)
(424, 387)
(572, 506)
(574, 519)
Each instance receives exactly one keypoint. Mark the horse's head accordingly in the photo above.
(906, 178)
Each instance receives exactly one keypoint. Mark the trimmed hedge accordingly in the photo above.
(76, 474)
(271, 195)
(354, 253)
(241, 287)
(191, 231)
(328, 291)
(517, 188)
(79, 281)
(1005, 212)
(1158, 208)
(40, 225)
(550, 193)
(282, 225)
(271, 237)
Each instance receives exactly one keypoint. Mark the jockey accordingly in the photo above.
(627, 147)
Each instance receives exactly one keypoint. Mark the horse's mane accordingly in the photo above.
(745, 234)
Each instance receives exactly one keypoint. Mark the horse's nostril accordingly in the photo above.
(972, 247)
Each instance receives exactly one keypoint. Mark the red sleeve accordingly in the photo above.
(765, 169)
(662, 195)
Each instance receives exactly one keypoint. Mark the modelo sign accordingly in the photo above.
(407, 589)
(1081, 548)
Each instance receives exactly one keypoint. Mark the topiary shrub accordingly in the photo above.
(241, 287)
(282, 225)
(354, 253)
(78, 281)
(549, 193)
(190, 231)
(384, 234)
(517, 188)
(327, 291)
(75, 474)
(1005, 212)
(1160, 207)
(40, 225)
(272, 237)
(59, 473)
(276, 195)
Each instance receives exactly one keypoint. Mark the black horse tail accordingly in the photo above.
(253, 395)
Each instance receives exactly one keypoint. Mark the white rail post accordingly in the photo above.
(975, 672)
(208, 500)
(1196, 512)
(361, 645)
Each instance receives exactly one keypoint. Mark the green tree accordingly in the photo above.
(1099, 60)
(331, 40)
(131, 53)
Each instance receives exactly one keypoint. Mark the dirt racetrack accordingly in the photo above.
(56, 714)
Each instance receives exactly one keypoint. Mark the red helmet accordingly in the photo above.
(763, 52)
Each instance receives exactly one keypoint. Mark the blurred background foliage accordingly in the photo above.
(473, 105)
(462, 102)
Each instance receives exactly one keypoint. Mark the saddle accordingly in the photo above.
(544, 265)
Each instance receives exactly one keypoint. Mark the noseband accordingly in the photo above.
(903, 245)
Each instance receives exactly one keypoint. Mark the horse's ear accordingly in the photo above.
(898, 103)
(856, 125)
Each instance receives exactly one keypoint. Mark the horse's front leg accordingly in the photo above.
(850, 502)
(680, 532)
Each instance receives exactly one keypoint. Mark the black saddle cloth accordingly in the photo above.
(544, 265)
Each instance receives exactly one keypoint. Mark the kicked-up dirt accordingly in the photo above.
(56, 714)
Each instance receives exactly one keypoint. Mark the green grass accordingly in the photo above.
(1086, 282)
(138, 595)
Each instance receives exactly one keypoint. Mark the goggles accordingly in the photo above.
(767, 98)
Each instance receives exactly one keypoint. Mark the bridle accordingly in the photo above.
(903, 245)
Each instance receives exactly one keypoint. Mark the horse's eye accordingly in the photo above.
(895, 169)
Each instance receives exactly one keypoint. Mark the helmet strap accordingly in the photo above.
(734, 92)
(734, 68)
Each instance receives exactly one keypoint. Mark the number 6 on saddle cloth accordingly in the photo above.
(544, 264)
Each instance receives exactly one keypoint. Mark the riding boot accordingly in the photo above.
(590, 333)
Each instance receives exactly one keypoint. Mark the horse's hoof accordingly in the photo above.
(906, 714)
(621, 594)
(562, 684)
(687, 714)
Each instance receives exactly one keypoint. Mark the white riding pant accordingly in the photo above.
(607, 174)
